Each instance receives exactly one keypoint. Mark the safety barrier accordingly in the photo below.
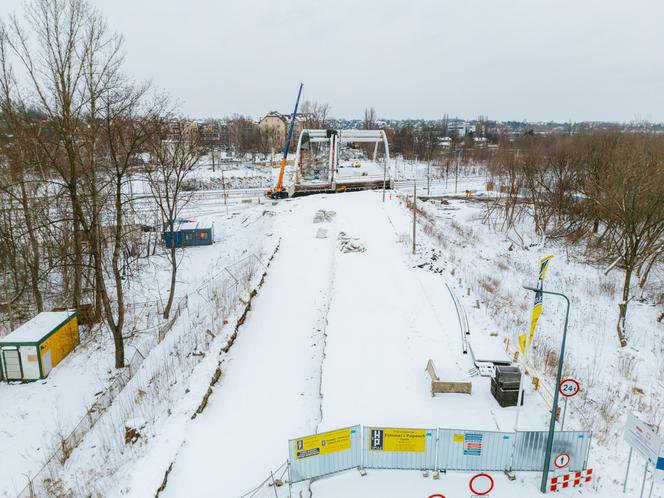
(431, 449)
(325, 453)
(529, 449)
(474, 450)
(392, 448)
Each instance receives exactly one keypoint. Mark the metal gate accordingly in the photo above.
(474, 450)
(12, 363)
(530, 447)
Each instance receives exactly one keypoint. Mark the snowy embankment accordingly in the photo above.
(269, 389)
(40, 414)
(175, 375)
(340, 333)
(34, 417)
(493, 266)
(379, 319)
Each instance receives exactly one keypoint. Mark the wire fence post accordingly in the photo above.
(290, 484)
(414, 213)
(274, 485)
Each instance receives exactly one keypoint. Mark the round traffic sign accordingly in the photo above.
(481, 484)
(437, 496)
(569, 388)
(561, 461)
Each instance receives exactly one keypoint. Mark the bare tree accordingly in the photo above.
(75, 142)
(369, 118)
(315, 115)
(628, 199)
(174, 159)
(604, 190)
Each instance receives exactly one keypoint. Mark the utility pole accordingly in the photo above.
(456, 172)
(384, 174)
(414, 212)
(554, 407)
(223, 186)
(429, 177)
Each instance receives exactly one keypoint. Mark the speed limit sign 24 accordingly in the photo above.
(569, 388)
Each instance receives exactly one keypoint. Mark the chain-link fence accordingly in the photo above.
(66, 444)
(211, 302)
(277, 485)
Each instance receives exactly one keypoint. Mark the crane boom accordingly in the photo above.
(278, 192)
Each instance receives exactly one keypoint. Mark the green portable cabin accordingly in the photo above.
(31, 351)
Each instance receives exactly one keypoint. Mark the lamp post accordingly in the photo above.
(554, 408)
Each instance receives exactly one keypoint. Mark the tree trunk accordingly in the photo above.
(119, 290)
(34, 250)
(174, 269)
(623, 308)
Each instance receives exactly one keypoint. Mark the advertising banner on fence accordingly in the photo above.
(398, 440)
(474, 450)
(323, 443)
(526, 339)
(325, 453)
(472, 443)
(396, 448)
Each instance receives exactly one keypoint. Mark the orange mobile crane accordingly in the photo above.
(279, 192)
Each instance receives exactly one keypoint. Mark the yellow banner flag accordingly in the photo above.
(526, 339)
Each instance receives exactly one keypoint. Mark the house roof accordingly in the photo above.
(37, 327)
(286, 118)
(191, 225)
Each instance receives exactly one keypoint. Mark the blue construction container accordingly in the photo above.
(187, 233)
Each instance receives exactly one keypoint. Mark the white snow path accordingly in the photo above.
(383, 319)
(269, 390)
(386, 320)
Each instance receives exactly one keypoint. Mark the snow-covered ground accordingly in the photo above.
(334, 339)
(33, 416)
(341, 338)
(493, 266)
(36, 416)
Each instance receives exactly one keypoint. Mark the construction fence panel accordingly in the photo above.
(325, 453)
(531, 445)
(395, 448)
(460, 449)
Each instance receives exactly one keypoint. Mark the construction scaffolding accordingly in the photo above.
(327, 162)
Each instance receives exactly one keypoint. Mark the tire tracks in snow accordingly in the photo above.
(320, 329)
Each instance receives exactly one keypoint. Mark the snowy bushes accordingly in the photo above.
(495, 274)
(604, 190)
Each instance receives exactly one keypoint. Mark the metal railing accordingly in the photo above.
(462, 317)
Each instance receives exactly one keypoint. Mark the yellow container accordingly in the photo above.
(31, 351)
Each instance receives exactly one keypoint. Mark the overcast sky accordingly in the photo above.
(506, 59)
